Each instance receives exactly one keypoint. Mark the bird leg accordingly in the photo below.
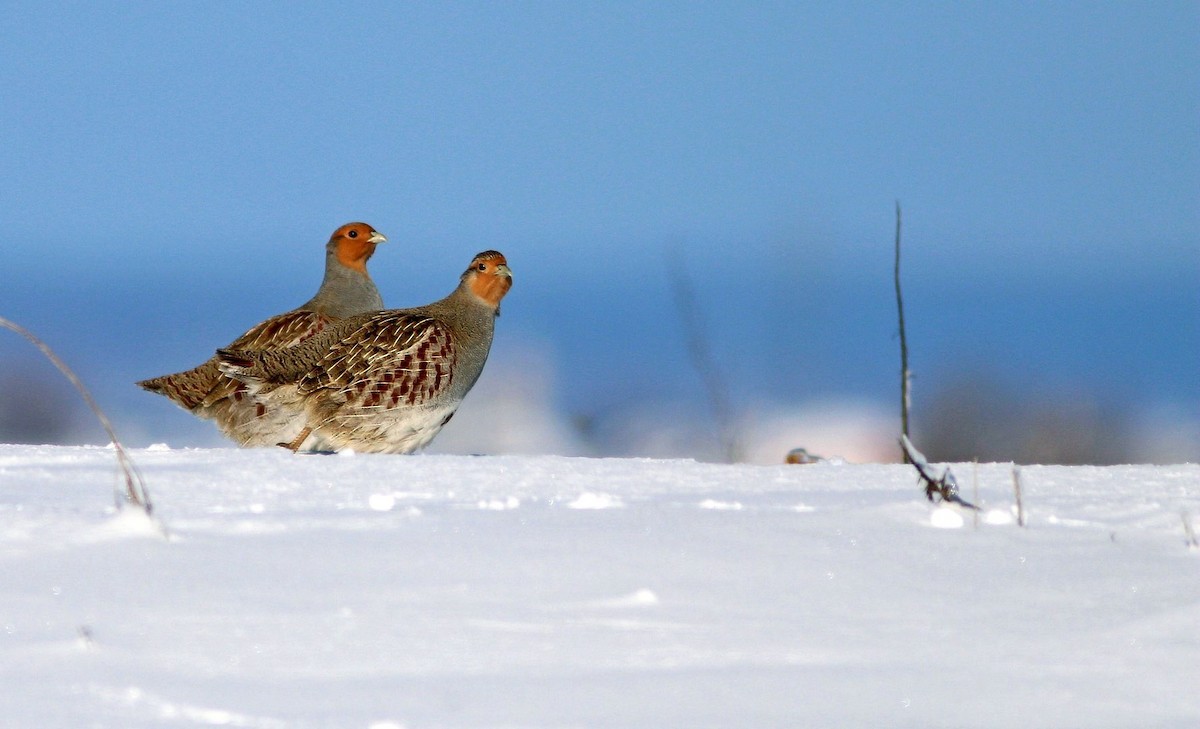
(297, 441)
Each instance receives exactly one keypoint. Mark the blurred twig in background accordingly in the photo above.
(135, 488)
(702, 359)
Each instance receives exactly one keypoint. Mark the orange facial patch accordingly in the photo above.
(487, 284)
(490, 287)
(354, 246)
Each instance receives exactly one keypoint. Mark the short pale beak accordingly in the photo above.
(503, 270)
(377, 237)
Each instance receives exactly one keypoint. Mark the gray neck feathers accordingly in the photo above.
(465, 313)
(473, 323)
(344, 292)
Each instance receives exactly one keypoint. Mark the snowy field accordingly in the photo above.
(451, 591)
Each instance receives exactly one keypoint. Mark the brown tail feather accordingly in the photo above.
(186, 389)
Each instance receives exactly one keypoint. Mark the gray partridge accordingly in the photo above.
(384, 382)
(346, 290)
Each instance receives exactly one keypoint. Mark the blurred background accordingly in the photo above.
(697, 200)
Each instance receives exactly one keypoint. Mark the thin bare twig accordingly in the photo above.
(702, 360)
(135, 487)
(1016, 477)
(905, 374)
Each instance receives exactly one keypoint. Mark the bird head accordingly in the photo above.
(354, 244)
(489, 278)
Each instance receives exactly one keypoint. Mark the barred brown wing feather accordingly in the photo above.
(282, 332)
(279, 332)
(392, 361)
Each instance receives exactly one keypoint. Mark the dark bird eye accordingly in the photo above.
(352, 234)
(482, 267)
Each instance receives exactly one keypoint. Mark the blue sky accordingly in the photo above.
(171, 171)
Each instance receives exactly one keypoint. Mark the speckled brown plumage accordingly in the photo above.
(346, 290)
(386, 381)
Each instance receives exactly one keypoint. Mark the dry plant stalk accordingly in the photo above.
(135, 488)
(1016, 476)
(905, 373)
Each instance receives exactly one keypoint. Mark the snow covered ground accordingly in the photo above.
(455, 591)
